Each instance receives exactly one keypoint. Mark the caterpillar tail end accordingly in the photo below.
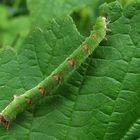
(4, 121)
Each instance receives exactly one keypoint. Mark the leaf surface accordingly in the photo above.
(101, 99)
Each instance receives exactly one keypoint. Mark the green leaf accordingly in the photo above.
(43, 11)
(100, 101)
(12, 30)
(123, 122)
(41, 53)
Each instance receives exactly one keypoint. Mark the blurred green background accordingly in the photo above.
(15, 19)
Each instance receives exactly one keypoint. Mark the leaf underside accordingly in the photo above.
(100, 101)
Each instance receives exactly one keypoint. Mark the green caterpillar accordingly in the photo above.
(58, 76)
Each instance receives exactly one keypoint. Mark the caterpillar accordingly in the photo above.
(57, 77)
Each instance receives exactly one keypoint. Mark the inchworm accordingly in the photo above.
(58, 76)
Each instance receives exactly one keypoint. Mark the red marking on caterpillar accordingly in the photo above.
(42, 91)
(70, 61)
(19, 107)
(28, 100)
(85, 47)
(4, 122)
(94, 35)
(56, 77)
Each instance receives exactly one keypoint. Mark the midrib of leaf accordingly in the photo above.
(135, 120)
(134, 129)
(121, 88)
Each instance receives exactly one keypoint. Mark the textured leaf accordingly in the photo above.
(41, 53)
(48, 9)
(101, 99)
(123, 123)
